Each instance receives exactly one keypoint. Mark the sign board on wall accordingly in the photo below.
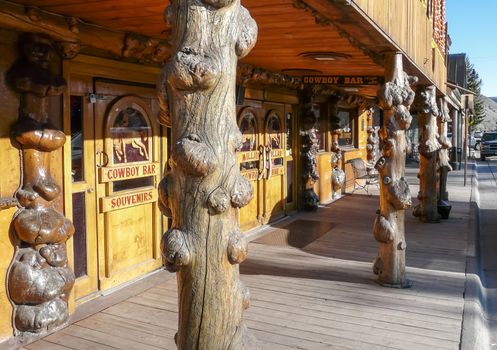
(344, 80)
(127, 200)
(128, 171)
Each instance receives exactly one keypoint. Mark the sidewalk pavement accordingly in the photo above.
(312, 286)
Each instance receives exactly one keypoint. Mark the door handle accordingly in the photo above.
(262, 163)
(90, 190)
(102, 159)
(269, 151)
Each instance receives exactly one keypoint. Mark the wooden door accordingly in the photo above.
(275, 173)
(128, 161)
(80, 199)
(250, 162)
(262, 161)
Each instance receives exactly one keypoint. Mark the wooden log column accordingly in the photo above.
(395, 98)
(443, 205)
(426, 105)
(39, 280)
(204, 189)
(337, 175)
(310, 147)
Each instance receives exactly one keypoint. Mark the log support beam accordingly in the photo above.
(429, 146)
(204, 188)
(395, 98)
(39, 279)
(443, 205)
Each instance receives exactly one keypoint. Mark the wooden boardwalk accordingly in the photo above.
(321, 296)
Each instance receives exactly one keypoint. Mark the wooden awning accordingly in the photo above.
(291, 33)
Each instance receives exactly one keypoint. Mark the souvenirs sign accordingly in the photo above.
(248, 156)
(128, 171)
(127, 200)
(344, 80)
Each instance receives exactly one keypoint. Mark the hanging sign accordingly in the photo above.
(128, 171)
(248, 156)
(344, 80)
(127, 200)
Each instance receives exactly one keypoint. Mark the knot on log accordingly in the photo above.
(388, 147)
(377, 265)
(397, 92)
(192, 70)
(248, 33)
(382, 230)
(425, 101)
(399, 195)
(42, 226)
(242, 192)
(175, 249)
(33, 281)
(43, 317)
(55, 255)
(402, 116)
(193, 156)
(163, 202)
(237, 248)
(31, 134)
(218, 201)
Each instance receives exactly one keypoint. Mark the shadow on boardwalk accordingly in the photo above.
(314, 293)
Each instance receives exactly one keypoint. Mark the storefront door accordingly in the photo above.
(262, 161)
(115, 156)
(127, 158)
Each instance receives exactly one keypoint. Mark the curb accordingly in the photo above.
(475, 328)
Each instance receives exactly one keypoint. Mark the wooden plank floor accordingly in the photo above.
(321, 296)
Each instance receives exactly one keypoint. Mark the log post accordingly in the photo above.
(443, 205)
(310, 148)
(426, 105)
(337, 175)
(204, 188)
(395, 98)
(39, 279)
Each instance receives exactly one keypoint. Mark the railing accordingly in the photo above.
(418, 27)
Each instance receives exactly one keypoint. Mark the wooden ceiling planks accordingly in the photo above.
(285, 31)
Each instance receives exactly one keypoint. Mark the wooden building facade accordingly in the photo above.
(312, 55)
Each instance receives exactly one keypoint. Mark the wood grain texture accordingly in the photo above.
(395, 98)
(40, 279)
(426, 105)
(204, 187)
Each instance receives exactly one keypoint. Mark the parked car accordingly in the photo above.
(488, 144)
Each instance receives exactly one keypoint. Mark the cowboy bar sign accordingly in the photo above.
(344, 80)
(128, 171)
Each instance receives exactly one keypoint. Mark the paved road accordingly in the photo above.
(487, 187)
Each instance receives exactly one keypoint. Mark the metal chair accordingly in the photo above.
(363, 171)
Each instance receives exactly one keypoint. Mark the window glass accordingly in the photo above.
(347, 126)
(130, 137)
(77, 137)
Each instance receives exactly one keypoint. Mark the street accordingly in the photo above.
(487, 188)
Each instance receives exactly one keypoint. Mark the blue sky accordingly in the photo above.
(473, 30)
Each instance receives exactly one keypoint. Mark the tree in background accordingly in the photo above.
(474, 84)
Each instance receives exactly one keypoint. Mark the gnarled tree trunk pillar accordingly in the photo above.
(426, 105)
(337, 175)
(395, 98)
(39, 279)
(443, 204)
(204, 188)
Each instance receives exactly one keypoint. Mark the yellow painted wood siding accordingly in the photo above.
(407, 24)
(9, 165)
